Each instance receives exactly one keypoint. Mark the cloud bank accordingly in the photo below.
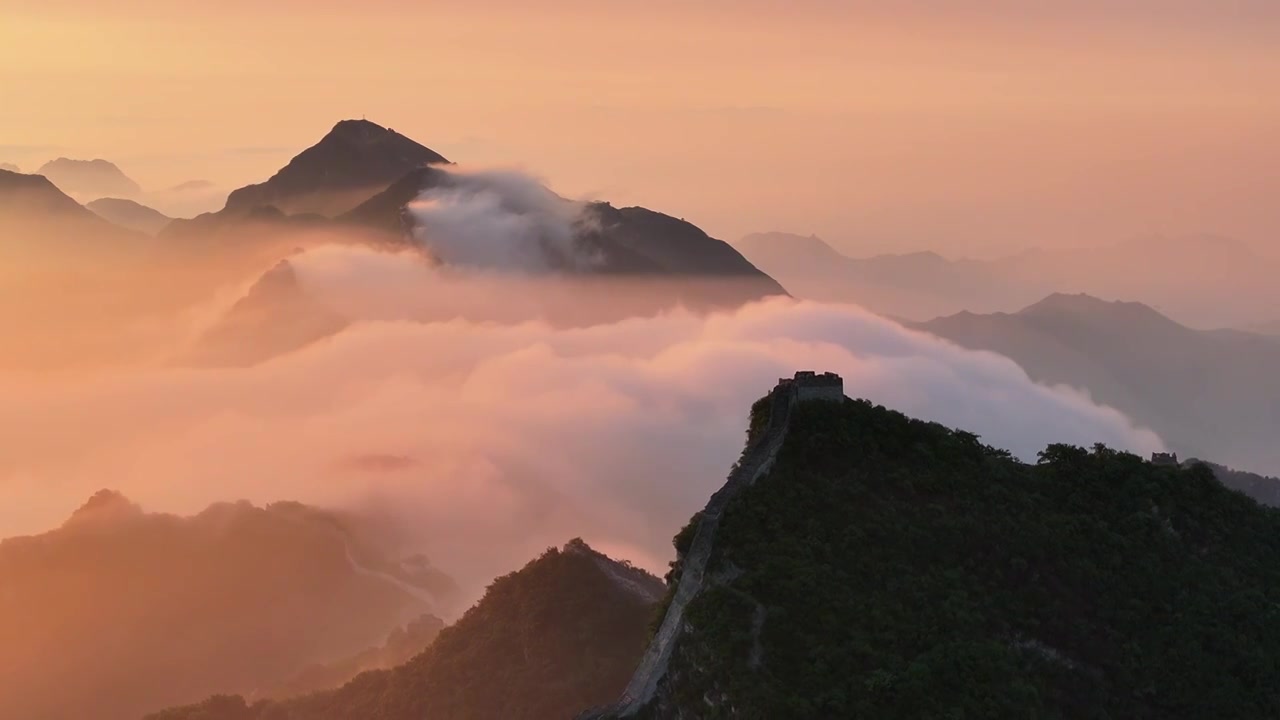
(488, 440)
(500, 220)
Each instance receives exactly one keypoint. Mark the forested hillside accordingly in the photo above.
(560, 635)
(893, 568)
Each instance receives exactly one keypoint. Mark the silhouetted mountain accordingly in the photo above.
(10, 168)
(875, 566)
(387, 211)
(1207, 393)
(378, 173)
(914, 285)
(354, 161)
(62, 295)
(631, 241)
(1233, 284)
(119, 611)
(559, 635)
(129, 214)
(33, 199)
(275, 317)
(92, 178)
(637, 239)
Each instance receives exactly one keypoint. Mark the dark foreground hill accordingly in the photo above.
(120, 611)
(891, 568)
(559, 635)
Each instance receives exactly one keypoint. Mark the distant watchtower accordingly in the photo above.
(809, 385)
(1166, 459)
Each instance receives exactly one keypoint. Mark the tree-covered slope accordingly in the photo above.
(891, 568)
(559, 635)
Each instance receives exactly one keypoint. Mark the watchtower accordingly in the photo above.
(809, 385)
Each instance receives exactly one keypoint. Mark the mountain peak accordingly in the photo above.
(104, 506)
(1087, 309)
(351, 163)
(775, 242)
(1081, 303)
(361, 127)
(90, 177)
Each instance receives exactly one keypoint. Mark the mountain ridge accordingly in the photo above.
(129, 214)
(96, 177)
(1208, 393)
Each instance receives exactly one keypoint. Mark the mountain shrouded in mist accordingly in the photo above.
(34, 200)
(396, 193)
(275, 316)
(130, 214)
(92, 178)
(559, 635)
(1210, 394)
(1202, 280)
(119, 611)
(886, 567)
(9, 167)
(913, 285)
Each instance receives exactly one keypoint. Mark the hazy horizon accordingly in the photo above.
(561, 289)
(983, 128)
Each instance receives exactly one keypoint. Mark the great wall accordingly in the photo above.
(756, 460)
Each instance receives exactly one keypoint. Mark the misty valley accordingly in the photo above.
(319, 422)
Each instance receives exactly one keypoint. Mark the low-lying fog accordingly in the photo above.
(485, 432)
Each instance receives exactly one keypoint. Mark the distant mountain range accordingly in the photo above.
(1209, 394)
(92, 178)
(1204, 281)
(130, 214)
(120, 611)
(10, 168)
(1263, 488)
(557, 636)
(362, 176)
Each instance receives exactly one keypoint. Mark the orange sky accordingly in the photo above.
(991, 124)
